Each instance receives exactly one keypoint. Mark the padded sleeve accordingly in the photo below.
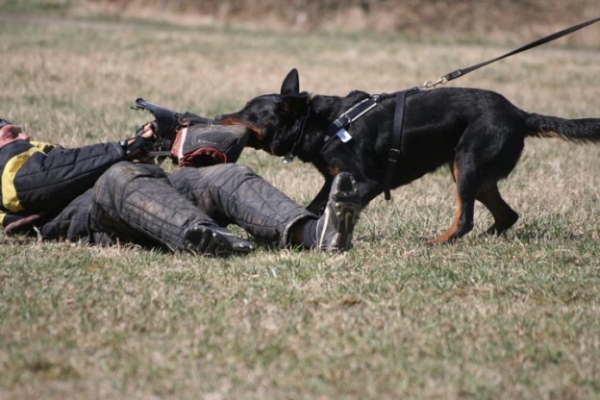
(50, 181)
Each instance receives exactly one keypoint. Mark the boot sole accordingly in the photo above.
(206, 241)
(346, 205)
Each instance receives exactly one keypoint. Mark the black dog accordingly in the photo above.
(478, 133)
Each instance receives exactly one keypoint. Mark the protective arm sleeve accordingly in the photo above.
(52, 180)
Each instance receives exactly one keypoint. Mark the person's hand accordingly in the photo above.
(138, 147)
(148, 132)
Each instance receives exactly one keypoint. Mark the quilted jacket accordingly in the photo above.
(40, 178)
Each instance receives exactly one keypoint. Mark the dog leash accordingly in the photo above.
(461, 72)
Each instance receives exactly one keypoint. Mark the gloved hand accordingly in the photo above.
(137, 148)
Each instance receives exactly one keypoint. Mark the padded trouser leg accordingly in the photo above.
(73, 222)
(234, 193)
(137, 203)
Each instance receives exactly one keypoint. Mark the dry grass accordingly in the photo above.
(502, 20)
(488, 318)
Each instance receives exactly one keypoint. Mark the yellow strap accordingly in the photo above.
(43, 146)
(10, 199)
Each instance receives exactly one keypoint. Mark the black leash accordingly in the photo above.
(460, 72)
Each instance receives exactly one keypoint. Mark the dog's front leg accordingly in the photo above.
(317, 205)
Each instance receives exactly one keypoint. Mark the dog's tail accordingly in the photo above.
(573, 130)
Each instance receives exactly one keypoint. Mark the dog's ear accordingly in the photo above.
(295, 103)
(291, 83)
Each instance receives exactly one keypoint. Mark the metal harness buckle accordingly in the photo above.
(394, 155)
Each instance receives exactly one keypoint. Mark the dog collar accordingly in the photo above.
(289, 157)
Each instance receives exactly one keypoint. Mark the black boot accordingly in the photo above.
(208, 239)
(335, 226)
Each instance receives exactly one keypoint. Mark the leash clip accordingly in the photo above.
(442, 80)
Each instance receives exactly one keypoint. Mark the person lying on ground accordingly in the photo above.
(112, 192)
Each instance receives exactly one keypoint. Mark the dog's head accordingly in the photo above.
(273, 119)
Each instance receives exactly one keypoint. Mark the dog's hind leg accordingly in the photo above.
(467, 184)
(504, 215)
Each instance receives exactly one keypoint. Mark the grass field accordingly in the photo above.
(515, 317)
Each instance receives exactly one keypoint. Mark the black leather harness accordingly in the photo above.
(338, 128)
(396, 146)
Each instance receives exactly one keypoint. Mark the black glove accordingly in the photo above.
(138, 149)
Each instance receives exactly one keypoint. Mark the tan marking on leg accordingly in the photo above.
(446, 236)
